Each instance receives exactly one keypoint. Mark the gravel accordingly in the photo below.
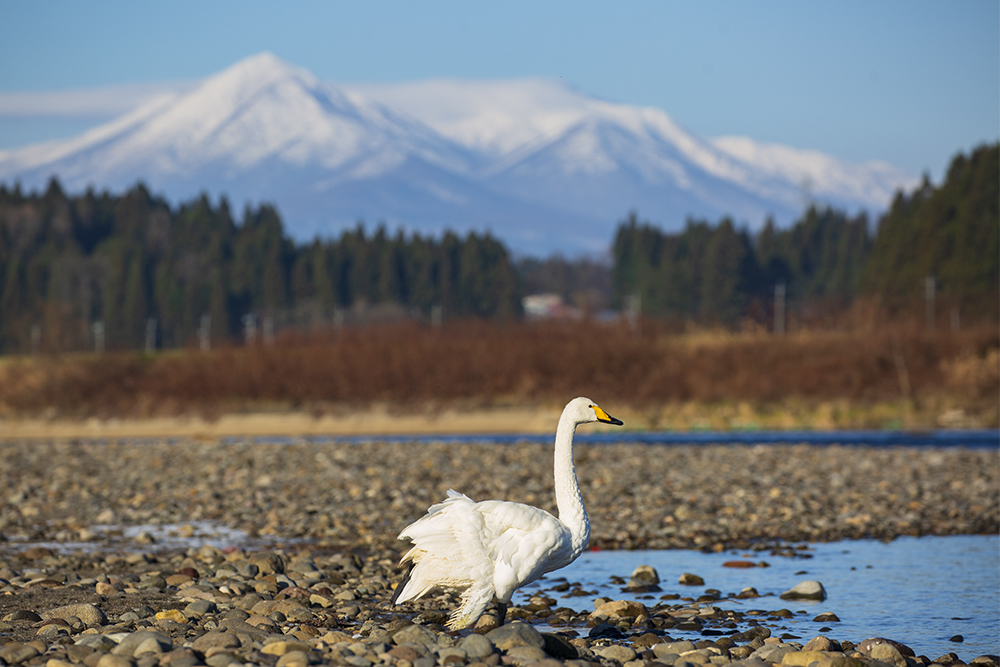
(88, 578)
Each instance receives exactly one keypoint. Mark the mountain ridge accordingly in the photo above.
(543, 166)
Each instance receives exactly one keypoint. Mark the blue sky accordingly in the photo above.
(910, 83)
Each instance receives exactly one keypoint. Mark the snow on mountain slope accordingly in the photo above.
(871, 185)
(543, 166)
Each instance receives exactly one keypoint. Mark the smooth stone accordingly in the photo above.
(129, 645)
(175, 615)
(688, 579)
(107, 590)
(605, 630)
(821, 643)
(524, 655)
(620, 609)
(644, 576)
(826, 617)
(415, 634)
(773, 652)
(672, 647)
(887, 653)
(98, 642)
(516, 634)
(216, 639)
(449, 655)
(616, 652)
(805, 590)
(55, 662)
(803, 658)
(52, 630)
(476, 646)
(113, 660)
(86, 612)
(407, 653)
(559, 647)
(282, 647)
(15, 653)
(222, 660)
(987, 660)
(293, 659)
(268, 562)
(868, 644)
(201, 607)
(22, 615)
(180, 657)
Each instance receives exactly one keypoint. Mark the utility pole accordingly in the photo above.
(205, 333)
(97, 328)
(268, 330)
(930, 291)
(779, 309)
(150, 335)
(633, 307)
(249, 329)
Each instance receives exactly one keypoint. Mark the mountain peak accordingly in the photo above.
(541, 164)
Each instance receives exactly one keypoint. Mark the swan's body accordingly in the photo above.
(491, 548)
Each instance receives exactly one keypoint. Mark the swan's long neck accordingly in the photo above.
(568, 499)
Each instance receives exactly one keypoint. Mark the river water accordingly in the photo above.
(918, 591)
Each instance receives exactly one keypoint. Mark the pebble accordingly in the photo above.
(320, 594)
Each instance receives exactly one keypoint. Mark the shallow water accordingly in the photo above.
(971, 438)
(918, 591)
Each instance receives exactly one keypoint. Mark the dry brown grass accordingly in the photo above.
(478, 364)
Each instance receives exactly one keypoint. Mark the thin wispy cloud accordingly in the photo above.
(97, 103)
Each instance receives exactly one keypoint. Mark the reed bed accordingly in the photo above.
(477, 364)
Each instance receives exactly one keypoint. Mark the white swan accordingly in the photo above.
(491, 548)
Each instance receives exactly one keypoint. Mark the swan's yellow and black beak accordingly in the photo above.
(603, 416)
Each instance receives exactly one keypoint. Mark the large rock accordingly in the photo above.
(688, 579)
(805, 590)
(86, 612)
(415, 634)
(620, 609)
(621, 654)
(144, 639)
(867, 645)
(644, 579)
(516, 634)
(476, 646)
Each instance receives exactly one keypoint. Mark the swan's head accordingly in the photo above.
(583, 410)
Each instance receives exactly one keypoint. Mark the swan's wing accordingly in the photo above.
(461, 543)
(522, 542)
(447, 548)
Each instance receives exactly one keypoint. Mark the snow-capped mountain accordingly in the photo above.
(544, 167)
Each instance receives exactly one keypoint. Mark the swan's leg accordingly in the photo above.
(501, 612)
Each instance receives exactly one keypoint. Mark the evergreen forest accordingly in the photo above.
(130, 271)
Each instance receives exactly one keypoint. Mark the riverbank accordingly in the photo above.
(505, 418)
(308, 578)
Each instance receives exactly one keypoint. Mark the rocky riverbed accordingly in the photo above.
(86, 577)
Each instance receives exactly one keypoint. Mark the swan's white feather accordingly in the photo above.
(491, 548)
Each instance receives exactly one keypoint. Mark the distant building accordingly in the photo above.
(548, 307)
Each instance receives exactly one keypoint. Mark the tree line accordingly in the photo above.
(128, 270)
(947, 235)
(136, 268)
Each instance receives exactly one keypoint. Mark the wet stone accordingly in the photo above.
(805, 590)
(515, 634)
